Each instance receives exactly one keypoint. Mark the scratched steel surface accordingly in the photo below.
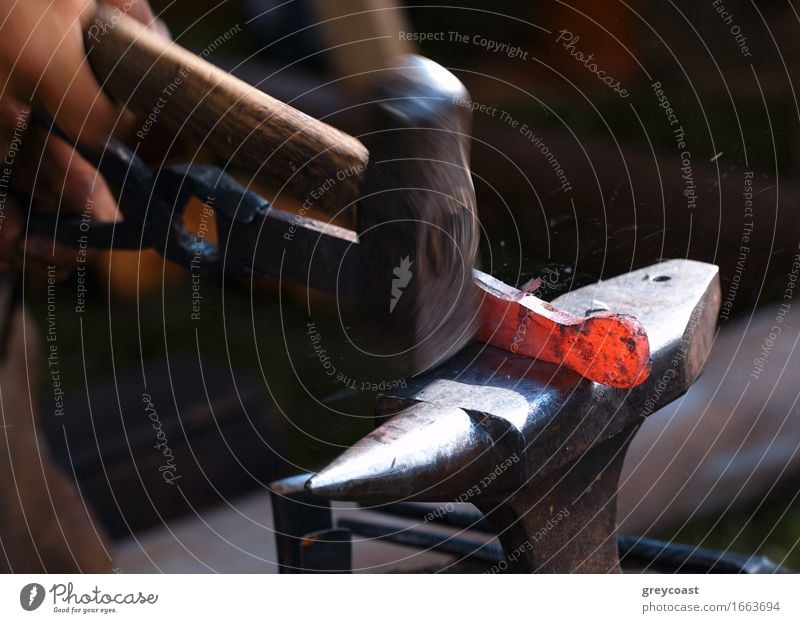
(530, 408)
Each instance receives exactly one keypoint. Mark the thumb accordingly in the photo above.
(69, 90)
(137, 9)
(71, 94)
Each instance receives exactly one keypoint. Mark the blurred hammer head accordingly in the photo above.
(417, 221)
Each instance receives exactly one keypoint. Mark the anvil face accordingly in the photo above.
(536, 410)
(676, 301)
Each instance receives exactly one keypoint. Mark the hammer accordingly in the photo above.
(410, 260)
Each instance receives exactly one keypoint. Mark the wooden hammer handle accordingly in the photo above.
(177, 91)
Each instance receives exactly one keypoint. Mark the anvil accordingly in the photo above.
(533, 445)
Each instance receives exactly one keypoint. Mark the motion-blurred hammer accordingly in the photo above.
(411, 258)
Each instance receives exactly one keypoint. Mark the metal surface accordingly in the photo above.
(330, 550)
(296, 516)
(466, 520)
(445, 543)
(153, 206)
(526, 440)
(602, 346)
(326, 551)
(638, 554)
(653, 555)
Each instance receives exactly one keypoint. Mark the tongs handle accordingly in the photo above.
(177, 91)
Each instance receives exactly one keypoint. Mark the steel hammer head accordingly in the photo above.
(411, 257)
(417, 222)
(409, 262)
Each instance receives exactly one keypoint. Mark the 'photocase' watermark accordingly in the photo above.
(51, 337)
(101, 27)
(777, 328)
(326, 360)
(318, 193)
(744, 249)
(475, 490)
(198, 246)
(11, 155)
(679, 136)
(402, 277)
(82, 257)
(524, 130)
(528, 545)
(569, 42)
(31, 596)
(183, 73)
(168, 470)
(736, 31)
(490, 45)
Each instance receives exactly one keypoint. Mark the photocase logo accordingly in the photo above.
(402, 276)
(31, 596)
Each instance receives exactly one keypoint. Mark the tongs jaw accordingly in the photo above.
(153, 207)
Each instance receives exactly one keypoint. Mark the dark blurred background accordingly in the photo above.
(239, 391)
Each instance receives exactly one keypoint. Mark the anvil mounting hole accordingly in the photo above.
(661, 278)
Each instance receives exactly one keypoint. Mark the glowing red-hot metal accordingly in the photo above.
(609, 348)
